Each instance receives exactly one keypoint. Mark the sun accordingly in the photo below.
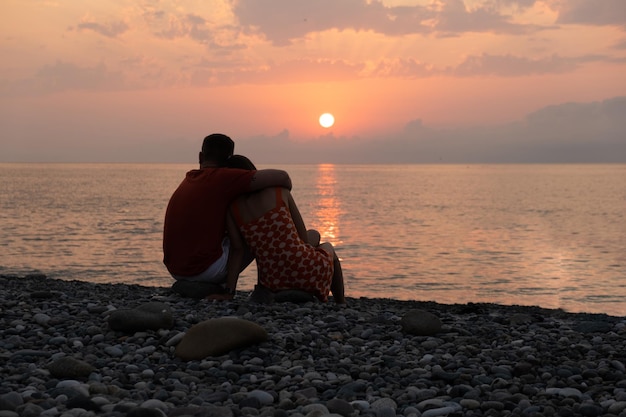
(327, 120)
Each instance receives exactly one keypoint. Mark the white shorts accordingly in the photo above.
(214, 274)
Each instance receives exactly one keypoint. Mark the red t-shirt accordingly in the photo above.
(195, 220)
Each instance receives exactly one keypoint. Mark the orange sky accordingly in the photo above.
(77, 74)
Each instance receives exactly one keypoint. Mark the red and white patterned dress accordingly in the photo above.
(284, 261)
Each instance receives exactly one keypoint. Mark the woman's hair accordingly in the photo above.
(240, 162)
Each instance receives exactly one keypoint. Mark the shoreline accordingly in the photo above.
(487, 359)
(243, 293)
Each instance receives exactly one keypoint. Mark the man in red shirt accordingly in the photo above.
(195, 245)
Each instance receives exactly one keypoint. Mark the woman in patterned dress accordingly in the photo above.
(287, 256)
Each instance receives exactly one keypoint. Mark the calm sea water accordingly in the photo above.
(548, 235)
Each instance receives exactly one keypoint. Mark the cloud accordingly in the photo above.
(112, 30)
(513, 66)
(295, 71)
(294, 19)
(401, 68)
(482, 65)
(454, 18)
(580, 121)
(146, 73)
(596, 12)
(219, 39)
(229, 57)
(191, 25)
(325, 70)
(519, 4)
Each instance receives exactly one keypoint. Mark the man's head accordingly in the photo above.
(216, 149)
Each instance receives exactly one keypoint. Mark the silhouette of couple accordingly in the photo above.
(227, 213)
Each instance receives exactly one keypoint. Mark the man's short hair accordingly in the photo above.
(218, 147)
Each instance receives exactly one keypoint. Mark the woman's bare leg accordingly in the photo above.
(336, 285)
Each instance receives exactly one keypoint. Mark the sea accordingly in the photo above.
(552, 236)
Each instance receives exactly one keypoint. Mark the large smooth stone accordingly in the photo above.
(69, 367)
(149, 316)
(215, 337)
(420, 323)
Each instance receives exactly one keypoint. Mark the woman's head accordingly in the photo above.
(240, 162)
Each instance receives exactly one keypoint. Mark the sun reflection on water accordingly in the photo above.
(328, 208)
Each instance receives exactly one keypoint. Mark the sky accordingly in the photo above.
(422, 81)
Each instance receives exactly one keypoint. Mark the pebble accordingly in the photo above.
(436, 412)
(61, 357)
(420, 323)
(565, 392)
(150, 315)
(340, 406)
(264, 398)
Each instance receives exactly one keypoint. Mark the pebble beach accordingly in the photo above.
(319, 359)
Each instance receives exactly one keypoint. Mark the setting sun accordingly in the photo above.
(327, 120)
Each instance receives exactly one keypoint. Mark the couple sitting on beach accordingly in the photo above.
(227, 213)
